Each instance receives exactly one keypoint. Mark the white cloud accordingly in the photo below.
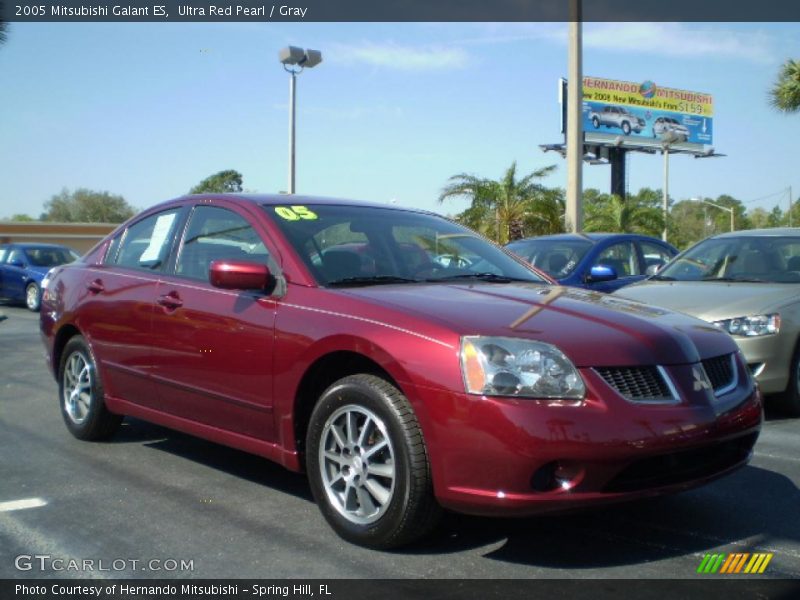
(396, 56)
(678, 40)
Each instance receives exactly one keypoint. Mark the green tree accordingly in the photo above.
(635, 214)
(86, 206)
(785, 92)
(21, 218)
(498, 208)
(759, 218)
(224, 182)
(776, 217)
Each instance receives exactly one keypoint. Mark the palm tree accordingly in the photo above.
(785, 92)
(3, 35)
(498, 208)
(613, 214)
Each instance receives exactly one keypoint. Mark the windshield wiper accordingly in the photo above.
(371, 280)
(737, 279)
(493, 277)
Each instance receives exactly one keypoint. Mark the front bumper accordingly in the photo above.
(769, 358)
(501, 456)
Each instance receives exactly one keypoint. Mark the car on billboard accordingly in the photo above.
(665, 125)
(349, 341)
(617, 116)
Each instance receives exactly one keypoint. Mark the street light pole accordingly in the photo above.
(730, 210)
(294, 60)
(292, 104)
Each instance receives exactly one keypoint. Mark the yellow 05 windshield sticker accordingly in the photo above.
(295, 213)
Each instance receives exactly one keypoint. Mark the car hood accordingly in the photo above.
(593, 329)
(713, 301)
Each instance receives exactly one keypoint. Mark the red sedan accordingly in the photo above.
(401, 360)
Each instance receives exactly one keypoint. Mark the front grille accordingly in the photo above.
(683, 466)
(720, 371)
(637, 383)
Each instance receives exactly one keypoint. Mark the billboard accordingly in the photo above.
(645, 113)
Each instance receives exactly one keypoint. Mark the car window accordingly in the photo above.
(16, 254)
(113, 248)
(620, 256)
(748, 258)
(217, 234)
(146, 243)
(557, 258)
(363, 245)
(3, 253)
(655, 256)
(49, 257)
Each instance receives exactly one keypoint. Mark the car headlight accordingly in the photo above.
(751, 326)
(46, 279)
(500, 366)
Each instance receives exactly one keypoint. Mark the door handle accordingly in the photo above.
(170, 301)
(96, 286)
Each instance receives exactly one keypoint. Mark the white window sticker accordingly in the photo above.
(160, 231)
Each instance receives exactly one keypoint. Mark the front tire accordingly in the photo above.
(595, 122)
(33, 297)
(81, 394)
(368, 466)
(626, 128)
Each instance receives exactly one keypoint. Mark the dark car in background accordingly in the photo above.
(24, 265)
(603, 262)
(401, 360)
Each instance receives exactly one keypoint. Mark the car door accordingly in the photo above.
(117, 312)
(622, 256)
(213, 347)
(14, 274)
(4, 252)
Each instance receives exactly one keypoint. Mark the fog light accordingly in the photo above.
(556, 475)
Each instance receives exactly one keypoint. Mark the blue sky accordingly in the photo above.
(148, 110)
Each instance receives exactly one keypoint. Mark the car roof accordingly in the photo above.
(292, 199)
(27, 245)
(594, 238)
(771, 232)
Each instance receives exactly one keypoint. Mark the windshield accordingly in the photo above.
(49, 257)
(557, 258)
(357, 245)
(755, 259)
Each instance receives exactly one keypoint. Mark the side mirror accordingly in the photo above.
(17, 263)
(601, 273)
(239, 275)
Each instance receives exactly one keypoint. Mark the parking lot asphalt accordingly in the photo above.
(151, 496)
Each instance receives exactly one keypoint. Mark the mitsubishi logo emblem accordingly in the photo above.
(701, 381)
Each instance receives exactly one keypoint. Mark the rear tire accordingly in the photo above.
(788, 403)
(81, 394)
(368, 466)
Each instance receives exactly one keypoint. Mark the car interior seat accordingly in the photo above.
(339, 264)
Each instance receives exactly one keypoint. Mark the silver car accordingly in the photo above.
(665, 125)
(747, 283)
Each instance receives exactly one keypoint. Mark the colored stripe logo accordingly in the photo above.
(743, 563)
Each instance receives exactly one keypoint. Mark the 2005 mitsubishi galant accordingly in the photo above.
(401, 360)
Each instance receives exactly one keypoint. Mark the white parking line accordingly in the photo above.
(777, 457)
(22, 504)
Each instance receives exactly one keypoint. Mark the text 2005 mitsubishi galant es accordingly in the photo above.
(404, 362)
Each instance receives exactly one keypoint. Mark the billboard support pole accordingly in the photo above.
(573, 216)
(617, 159)
(665, 199)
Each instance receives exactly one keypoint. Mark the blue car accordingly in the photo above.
(597, 261)
(23, 266)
